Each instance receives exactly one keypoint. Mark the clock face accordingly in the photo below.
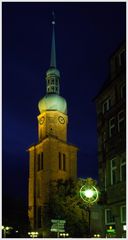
(61, 119)
(41, 121)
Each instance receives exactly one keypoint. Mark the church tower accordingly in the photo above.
(52, 158)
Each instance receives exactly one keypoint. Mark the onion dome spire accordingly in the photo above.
(52, 100)
(53, 74)
(53, 49)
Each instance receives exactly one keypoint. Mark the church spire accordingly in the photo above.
(53, 74)
(53, 49)
(52, 100)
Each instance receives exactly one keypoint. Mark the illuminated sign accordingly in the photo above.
(111, 230)
(124, 227)
(57, 225)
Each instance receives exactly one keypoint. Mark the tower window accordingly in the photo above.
(60, 165)
(38, 187)
(42, 161)
(113, 171)
(56, 81)
(52, 88)
(52, 81)
(64, 162)
(38, 162)
(39, 217)
(40, 135)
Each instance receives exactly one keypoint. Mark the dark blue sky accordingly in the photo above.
(86, 35)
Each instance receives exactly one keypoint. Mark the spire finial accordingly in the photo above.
(53, 15)
(53, 50)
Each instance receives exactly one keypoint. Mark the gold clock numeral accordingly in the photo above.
(61, 119)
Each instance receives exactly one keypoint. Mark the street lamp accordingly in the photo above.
(96, 235)
(33, 234)
(89, 194)
(64, 234)
(5, 230)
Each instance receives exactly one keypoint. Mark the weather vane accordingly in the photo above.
(53, 15)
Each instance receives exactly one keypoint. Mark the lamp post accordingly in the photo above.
(5, 229)
(89, 194)
(33, 234)
(64, 235)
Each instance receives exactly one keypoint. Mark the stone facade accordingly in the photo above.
(111, 127)
(52, 158)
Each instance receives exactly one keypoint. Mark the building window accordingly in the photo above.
(109, 218)
(123, 170)
(121, 121)
(123, 91)
(64, 162)
(112, 127)
(122, 58)
(123, 214)
(106, 105)
(39, 217)
(113, 171)
(104, 140)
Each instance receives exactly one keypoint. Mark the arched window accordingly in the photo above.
(39, 217)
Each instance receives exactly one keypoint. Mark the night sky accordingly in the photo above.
(86, 36)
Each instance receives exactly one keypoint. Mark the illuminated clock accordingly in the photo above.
(41, 121)
(61, 119)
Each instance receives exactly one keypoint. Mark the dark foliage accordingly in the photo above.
(65, 203)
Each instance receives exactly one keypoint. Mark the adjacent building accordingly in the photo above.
(111, 128)
(51, 158)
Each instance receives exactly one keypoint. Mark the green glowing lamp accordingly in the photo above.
(89, 194)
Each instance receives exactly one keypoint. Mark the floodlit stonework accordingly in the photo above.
(52, 157)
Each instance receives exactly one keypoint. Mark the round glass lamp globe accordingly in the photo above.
(7, 228)
(89, 193)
